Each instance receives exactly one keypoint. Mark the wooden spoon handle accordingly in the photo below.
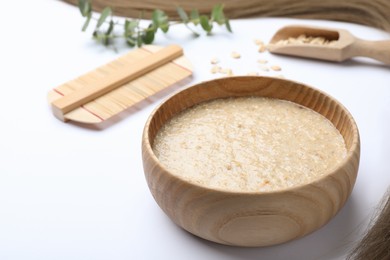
(378, 50)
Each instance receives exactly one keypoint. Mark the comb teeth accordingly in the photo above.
(113, 101)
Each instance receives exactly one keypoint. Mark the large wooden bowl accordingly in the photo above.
(252, 218)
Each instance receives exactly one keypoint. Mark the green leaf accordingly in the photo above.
(105, 13)
(164, 27)
(126, 25)
(217, 14)
(204, 22)
(105, 40)
(194, 19)
(183, 15)
(139, 40)
(194, 15)
(85, 7)
(131, 41)
(160, 20)
(110, 27)
(130, 26)
(86, 23)
(228, 27)
(148, 36)
(156, 17)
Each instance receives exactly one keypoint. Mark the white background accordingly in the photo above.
(71, 192)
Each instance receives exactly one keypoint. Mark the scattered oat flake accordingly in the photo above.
(235, 55)
(226, 71)
(258, 42)
(214, 60)
(262, 61)
(215, 69)
(262, 48)
(276, 68)
(253, 73)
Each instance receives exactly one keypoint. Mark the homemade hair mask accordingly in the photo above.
(250, 161)
(249, 144)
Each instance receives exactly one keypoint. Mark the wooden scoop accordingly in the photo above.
(338, 44)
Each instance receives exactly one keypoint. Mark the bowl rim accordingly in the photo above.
(355, 144)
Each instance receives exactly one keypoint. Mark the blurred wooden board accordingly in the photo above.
(372, 13)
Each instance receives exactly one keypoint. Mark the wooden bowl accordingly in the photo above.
(252, 218)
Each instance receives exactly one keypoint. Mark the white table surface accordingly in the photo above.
(70, 192)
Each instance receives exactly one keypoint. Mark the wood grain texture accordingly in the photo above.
(373, 13)
(128, 93)
(346, 45)
(252, 218)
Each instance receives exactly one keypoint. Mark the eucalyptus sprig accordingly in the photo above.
(136, 35)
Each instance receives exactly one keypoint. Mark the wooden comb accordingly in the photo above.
(108, 90)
